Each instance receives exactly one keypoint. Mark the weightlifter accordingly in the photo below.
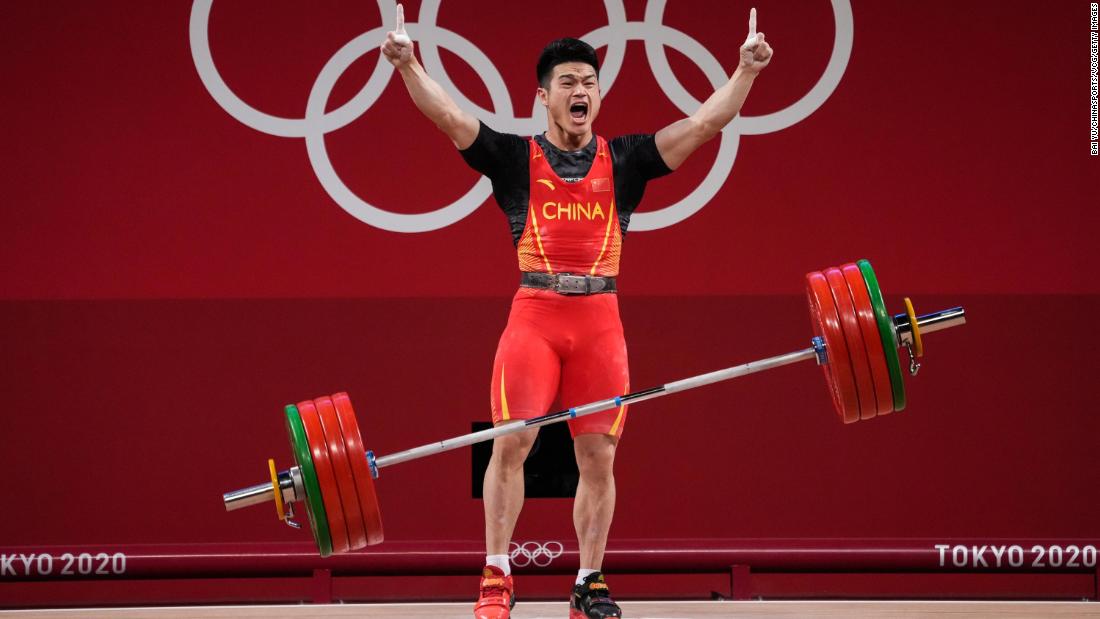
(568, 195)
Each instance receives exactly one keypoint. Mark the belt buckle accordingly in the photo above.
(572, 284)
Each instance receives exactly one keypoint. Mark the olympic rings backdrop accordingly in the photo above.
(213, 208)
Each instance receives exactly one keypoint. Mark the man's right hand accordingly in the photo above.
(398, 47)
(755, 52)
(429, 97)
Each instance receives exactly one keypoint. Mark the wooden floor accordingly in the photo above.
(632, 610)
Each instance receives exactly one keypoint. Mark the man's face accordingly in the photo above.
(573, 97)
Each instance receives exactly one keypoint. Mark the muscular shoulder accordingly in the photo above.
(637, 154)
(494, 153)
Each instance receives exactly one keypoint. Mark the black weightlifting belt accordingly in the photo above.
(565, 283)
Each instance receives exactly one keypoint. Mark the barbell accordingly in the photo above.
(856, 342)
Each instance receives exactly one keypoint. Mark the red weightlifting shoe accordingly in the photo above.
(592, 600)
(496, 600)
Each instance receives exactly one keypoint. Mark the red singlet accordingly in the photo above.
(564, 344)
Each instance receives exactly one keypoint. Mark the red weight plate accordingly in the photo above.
(857, 351)
(357, 456)
(349, 494)
(330, 492)
(876, 357)
(826, 324)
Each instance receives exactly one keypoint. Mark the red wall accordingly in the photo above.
(171, 277)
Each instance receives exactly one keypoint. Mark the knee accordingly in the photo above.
(595, 455)
(511, 451)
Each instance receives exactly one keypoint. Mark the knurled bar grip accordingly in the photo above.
(928, 323)
(261, 493)
(935, 321)
(740, 370)
(595, 407)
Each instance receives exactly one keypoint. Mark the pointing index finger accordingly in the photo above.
(399, 36)
(752, 22)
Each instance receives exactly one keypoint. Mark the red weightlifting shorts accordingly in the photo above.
(559, 345)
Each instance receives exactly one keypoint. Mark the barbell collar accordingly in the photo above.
(290, 483)
(928, 323)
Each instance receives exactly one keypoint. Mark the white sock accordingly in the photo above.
(583, 573)
(500, 561)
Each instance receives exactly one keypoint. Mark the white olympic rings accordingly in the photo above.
(534, 553)
(316, 122)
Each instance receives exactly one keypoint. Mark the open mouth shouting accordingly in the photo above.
(579, 111)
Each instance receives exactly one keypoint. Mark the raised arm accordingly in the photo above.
(428, 96)
(678, 140)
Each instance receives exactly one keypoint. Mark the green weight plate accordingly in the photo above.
(890, 342)
(315, 509)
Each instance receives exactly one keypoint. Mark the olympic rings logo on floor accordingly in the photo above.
(534, 553)
(316, 122)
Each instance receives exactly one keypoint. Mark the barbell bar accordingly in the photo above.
(856, 342)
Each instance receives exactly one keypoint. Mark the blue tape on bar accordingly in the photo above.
(572, 413)
(618, 401)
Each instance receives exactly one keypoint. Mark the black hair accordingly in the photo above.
(564, 50)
